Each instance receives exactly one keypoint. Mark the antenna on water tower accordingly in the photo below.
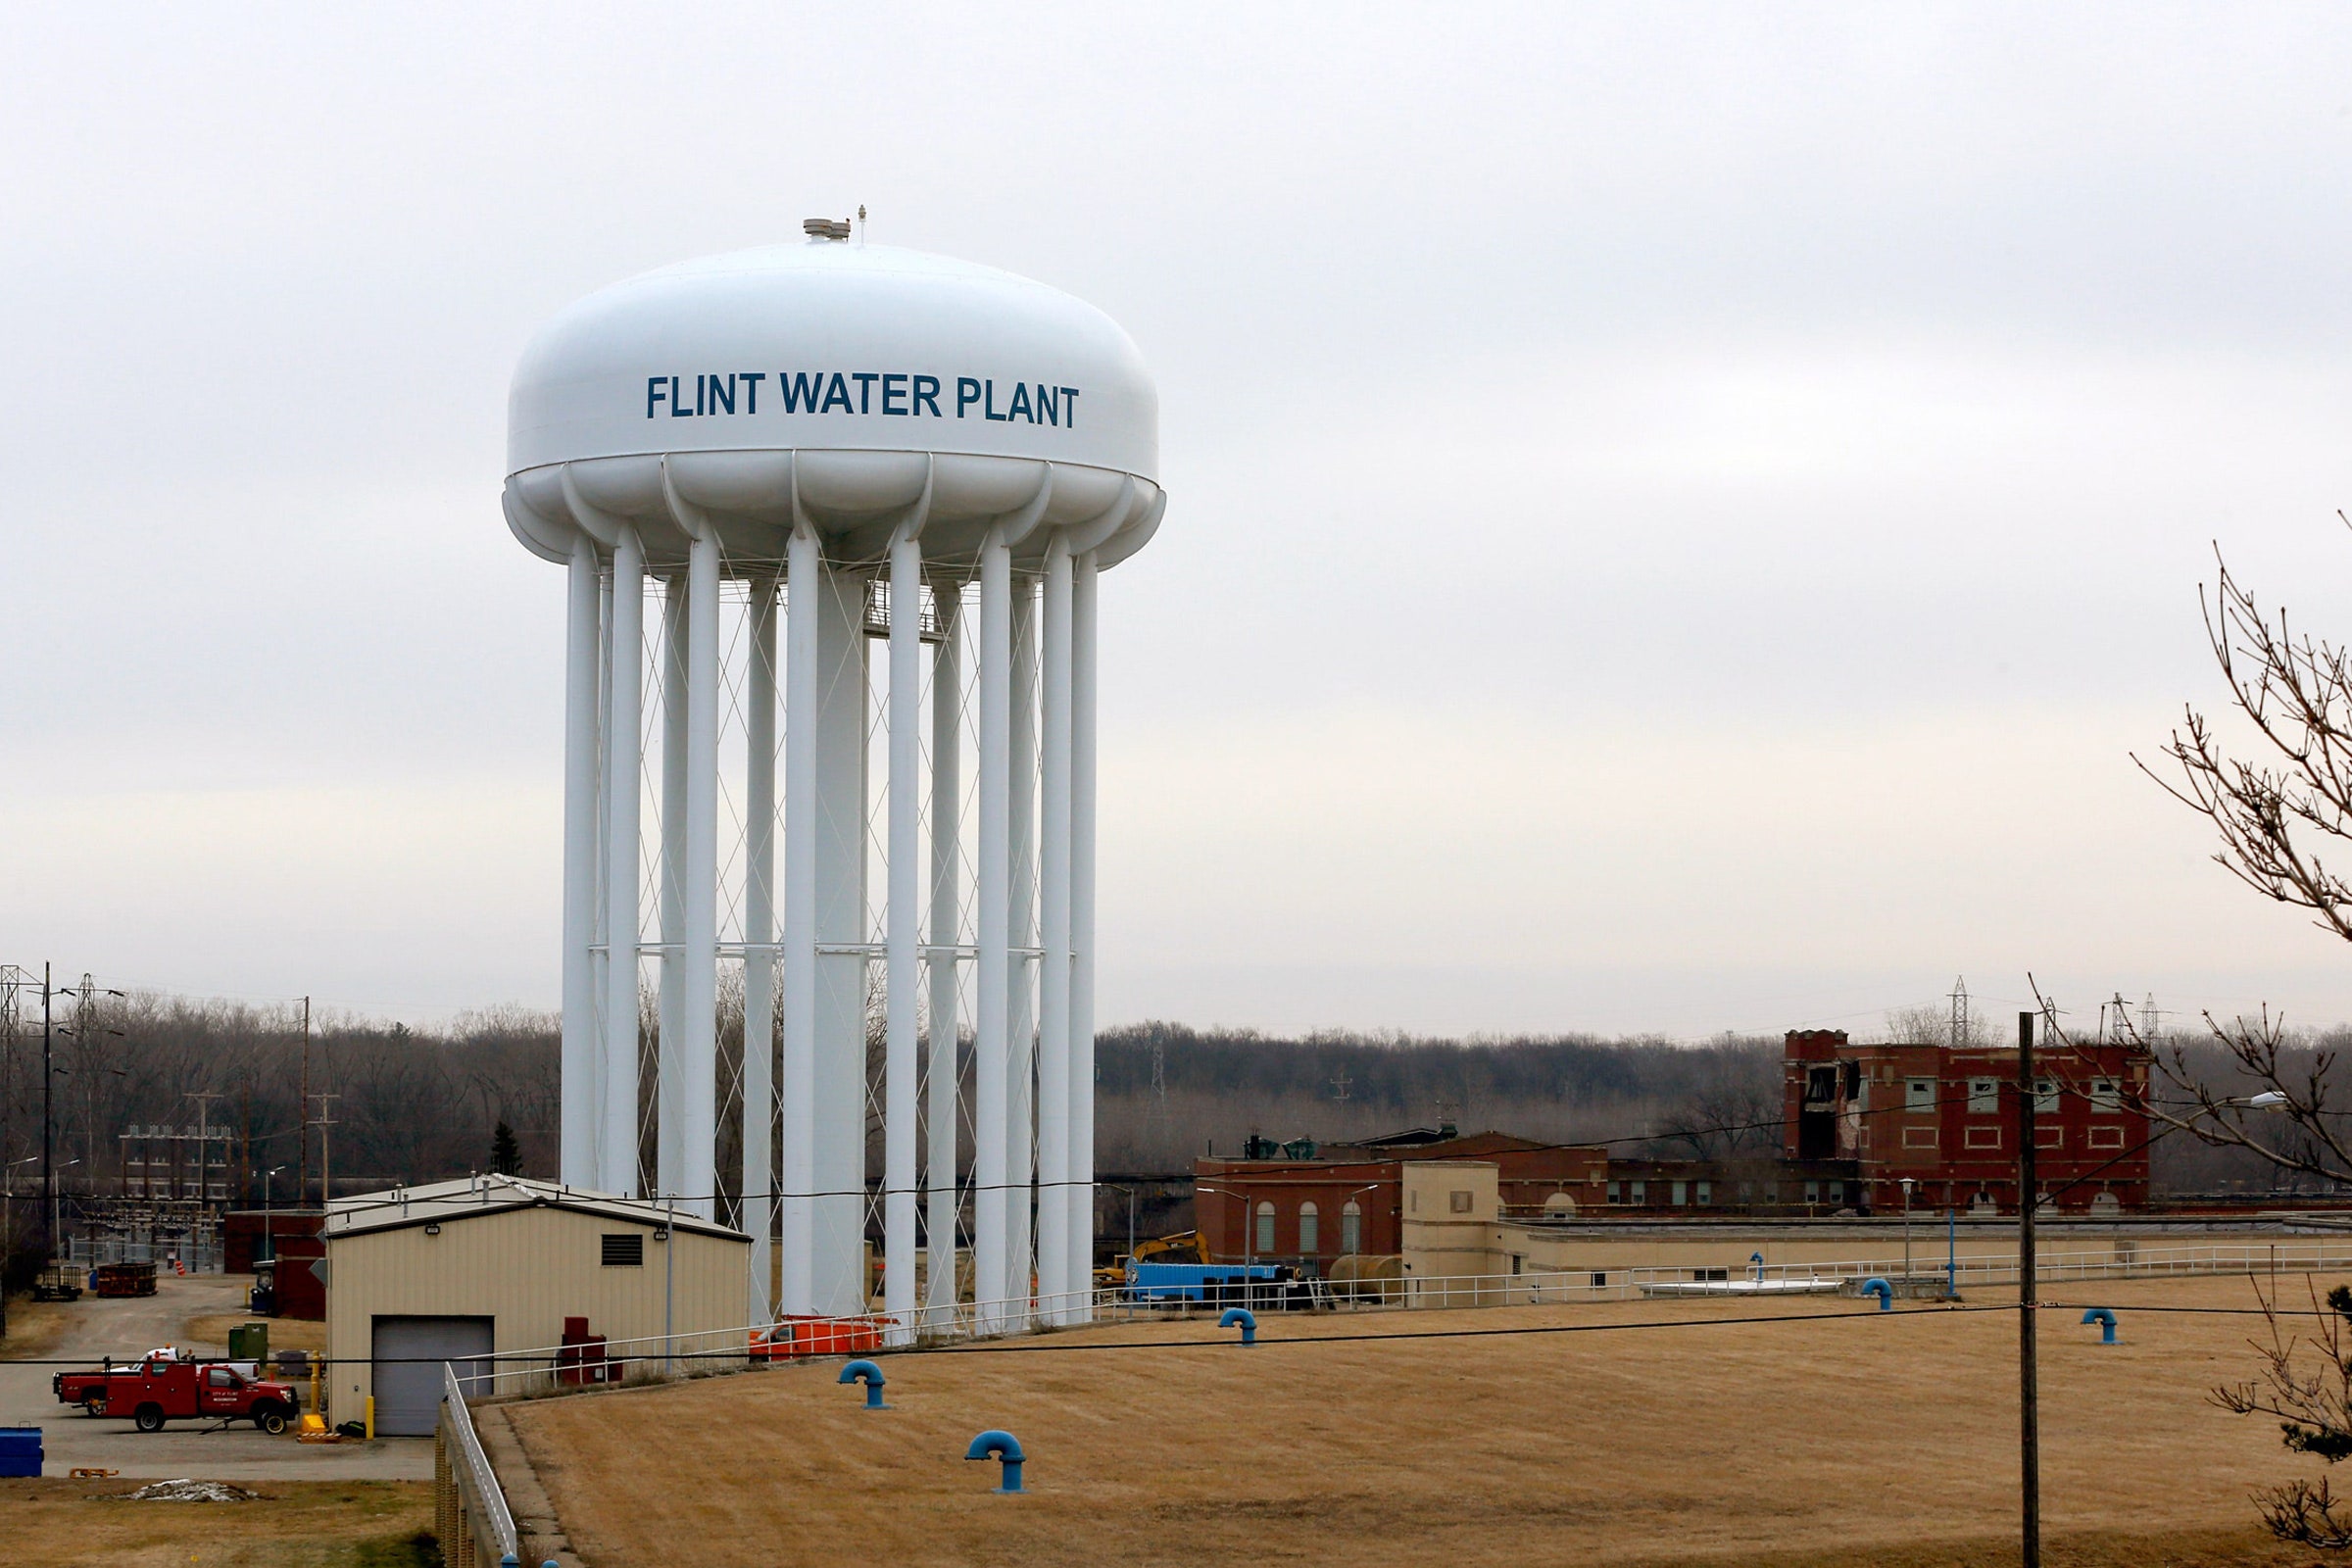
(861, 223)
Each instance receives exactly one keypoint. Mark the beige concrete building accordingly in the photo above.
(1452, 1222)
(492, 1266)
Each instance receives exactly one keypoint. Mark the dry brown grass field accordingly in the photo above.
(33, 1327)
(301, 1524)
(1848, 1436)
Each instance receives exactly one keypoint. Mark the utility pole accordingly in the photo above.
(302, 1115)
(2029, 1387)
(327, 1151)
(48, 1107)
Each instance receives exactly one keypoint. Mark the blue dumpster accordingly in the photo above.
(19, 1451)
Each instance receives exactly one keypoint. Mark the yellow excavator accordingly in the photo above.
(1185, 1247)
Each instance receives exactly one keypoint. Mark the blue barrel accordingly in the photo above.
(19, 1451)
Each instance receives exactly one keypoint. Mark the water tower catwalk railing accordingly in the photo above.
(983, 930)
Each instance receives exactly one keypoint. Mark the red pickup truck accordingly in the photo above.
(157, 1390)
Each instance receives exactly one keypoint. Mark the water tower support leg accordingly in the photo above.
(623, 760)
(946, 804)
(578, 1137)
(797, 1091)
(1054, 1085)
(990, 1276)
(904, 974)
(1079, 1195)
(1020, 1028)
(698, 1044)
(669, 1166)
(760, 930)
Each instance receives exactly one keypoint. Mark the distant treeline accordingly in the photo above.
(419, 1105)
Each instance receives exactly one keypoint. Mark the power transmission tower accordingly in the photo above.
(204, 1099)
(1339, 1086)
(1959, 1000)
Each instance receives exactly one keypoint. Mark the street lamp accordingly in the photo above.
(1907, 1227)
(1249, 1219)
(269, 1228)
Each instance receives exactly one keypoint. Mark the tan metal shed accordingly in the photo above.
(490, 1267)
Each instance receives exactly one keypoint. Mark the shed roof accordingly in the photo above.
(475, 1197)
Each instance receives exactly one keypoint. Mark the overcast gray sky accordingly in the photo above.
(1678, 515)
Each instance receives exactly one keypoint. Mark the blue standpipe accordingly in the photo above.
(2104, 1317)
(1951, 1257)
(1883, 1291)
(871, 1375)
(1004, 1447)
(1757, 1258)
(1246, 1318)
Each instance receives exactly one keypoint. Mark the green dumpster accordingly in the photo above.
(249, 1342)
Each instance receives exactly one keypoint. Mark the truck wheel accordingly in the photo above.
(94, 1404)
(149, 1418)
(270, 1418)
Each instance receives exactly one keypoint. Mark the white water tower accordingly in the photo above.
(921, 466)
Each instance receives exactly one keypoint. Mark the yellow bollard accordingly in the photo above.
(371, 1418)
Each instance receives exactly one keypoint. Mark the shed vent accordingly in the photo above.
(625, 1250)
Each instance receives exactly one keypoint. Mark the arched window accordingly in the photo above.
(1265, 1229)
(1310, 1243)
(1351, 1228)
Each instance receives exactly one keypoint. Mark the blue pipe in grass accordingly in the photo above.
(871, 1375)
(1883, 1291)
(1004, 1447)
(2104, 1317)
(1246, 1318)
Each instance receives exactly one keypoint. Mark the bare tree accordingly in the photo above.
(2280, 816)
(2306, 1383)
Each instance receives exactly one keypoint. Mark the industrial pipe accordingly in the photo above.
(1883, 1291)
(2104, 1317)
(1757, 1258)
(1002, 1446)
(1246, 1318)
(871, 1375)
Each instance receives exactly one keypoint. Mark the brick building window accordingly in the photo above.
(2106, 1138)
(1919, 1137)
(1310, 1224)
(1638, 1192)
(1265, 1229)
(2045, 1096)
(1682, 1193)
(1919, 1094)
(1351, 1228)
(1612, 1192)
(1706, 1193)
(1983, 1096)
(1984, 1138)
(2105, 1098)
(1457, 1202)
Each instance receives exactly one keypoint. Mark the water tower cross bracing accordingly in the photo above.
(868, 493)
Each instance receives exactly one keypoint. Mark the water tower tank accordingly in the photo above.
(913, 469)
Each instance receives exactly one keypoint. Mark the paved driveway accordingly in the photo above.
(123, 1329)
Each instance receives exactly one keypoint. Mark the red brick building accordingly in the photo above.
(1315, 1206)
(1948, 1120)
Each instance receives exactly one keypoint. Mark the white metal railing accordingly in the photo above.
(480, 1482)
(550, 1368)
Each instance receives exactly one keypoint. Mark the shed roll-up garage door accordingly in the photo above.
(408, 1352)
